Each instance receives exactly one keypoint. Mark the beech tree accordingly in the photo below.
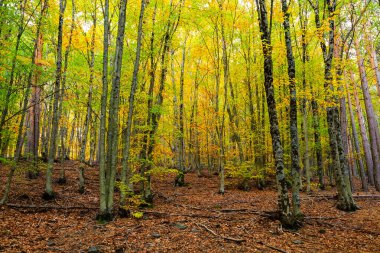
(248, 93)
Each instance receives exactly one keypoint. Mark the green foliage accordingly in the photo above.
(156, 109)
(162, 171)
(137, 215)
(246, 174)
(136, 178)
(122, 187)
(6, 161)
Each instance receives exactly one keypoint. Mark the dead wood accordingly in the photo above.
(161, 214)
(271, 247)
(224, 237)
(354, 196)
(46, 207)
(358, 229)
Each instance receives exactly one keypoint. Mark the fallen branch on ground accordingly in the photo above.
(354, 196)
(359, 229)
(224, 237)
(233, 210)
(37, 207)
(178, 214)
(271, 247)
(321, 218)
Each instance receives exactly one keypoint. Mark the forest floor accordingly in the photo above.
(194, 218)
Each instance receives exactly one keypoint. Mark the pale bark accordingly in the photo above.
(357, 153)
(103, 114)
(126, 171)
(180, 179)
(194, 150)
(87, 122)
(371, 50)
(152, 79)
(225, 102)
(304, 109)
(363, 132)
(373, 127)
(113, 119)
(154, 118)
(338, 156)
(63, 128)
(55, 120)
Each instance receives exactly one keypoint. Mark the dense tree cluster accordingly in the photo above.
(257, 90)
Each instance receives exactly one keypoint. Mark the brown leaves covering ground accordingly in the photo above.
(179, 219)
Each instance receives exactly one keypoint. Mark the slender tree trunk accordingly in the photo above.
(113, 118)
(33, 132)
(338, 156)
(373, 59)
(316, 126)
(278, 153)
(371, 118)
(175, 148)
(126, 171)
(295, 167)
(171, 27)
(103, 114)
(305, 132)
(20, 31)
(363, 133)
(357, 153)
(194, 158)
(93, 137)
(44, 135)
(49, 194)
(62, 178)
(152, 80)
(226, 76)
(17, 155)
(87, 122)
(180, 179)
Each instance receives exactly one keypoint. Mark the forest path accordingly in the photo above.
(194, 218)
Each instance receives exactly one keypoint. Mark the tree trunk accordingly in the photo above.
(283, 198)
(17, 155)
(194, 150)
(87, 122)
(49, 194)
(226, 76)
(20, 31)
(63, 127)
(180, 179)
(295, 167)
(103, 114)
(171, 27)
(126, 171)
(345, 199)
(304, 109)
(373, 59)
(113, 119)
(33, 132)
(371, 118)
(357, 153)
(363, 133)
(152, 80)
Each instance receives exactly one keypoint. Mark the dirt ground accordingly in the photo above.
(194, 218)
